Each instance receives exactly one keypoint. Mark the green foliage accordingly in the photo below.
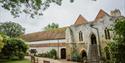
(50, 27)
(75, 56)
(52, 54)
(31, 7)
(11, 29)
(34, 51)
(14, 48)
(3, 39)
(107, 59)
(117, 47)
(1, 43)
(43, 55)
(120, 27)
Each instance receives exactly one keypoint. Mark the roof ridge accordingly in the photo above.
(80, 20)
(100, 14)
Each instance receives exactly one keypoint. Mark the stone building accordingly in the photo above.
(88, 38)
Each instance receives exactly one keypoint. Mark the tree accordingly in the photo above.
(11, 29)
(75, 56)
(52, 54)
(33, 51)
(117, 47)
(14, 47)
(3, 39)
(1, 43)
(50, 27)
(32, 7)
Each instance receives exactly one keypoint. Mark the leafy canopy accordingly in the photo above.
(1, 43)
(32, 7)
(117, 47)
(50, 27)
(14, 47)
(11, 29)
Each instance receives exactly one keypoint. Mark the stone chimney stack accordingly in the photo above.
(115, 13)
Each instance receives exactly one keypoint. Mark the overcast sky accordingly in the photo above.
(64, 15)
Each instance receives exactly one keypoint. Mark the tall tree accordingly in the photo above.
(51, 27)
(11, 29)
(117, 47)
(32, 7)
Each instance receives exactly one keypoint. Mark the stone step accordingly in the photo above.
(93, 51)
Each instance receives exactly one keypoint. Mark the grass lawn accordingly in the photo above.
(18, 61)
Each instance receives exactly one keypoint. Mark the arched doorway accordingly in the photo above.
(63, 53)
(93, 50)
(93, 39)
(83, 54)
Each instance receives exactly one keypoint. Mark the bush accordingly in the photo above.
(52, 54)
(1, 43)
(76, 57)
(33, 51)
(14, 48)
(42, 55)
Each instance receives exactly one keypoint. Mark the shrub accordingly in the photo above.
(52, 54)
(42, 55)
(14, 48)
(33, 51)
(1, 43)
(76, 57)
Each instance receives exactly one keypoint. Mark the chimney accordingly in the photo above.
(115, 13)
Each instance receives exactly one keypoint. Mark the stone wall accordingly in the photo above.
(72, 34)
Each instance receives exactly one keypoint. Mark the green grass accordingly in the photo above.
(17, 61)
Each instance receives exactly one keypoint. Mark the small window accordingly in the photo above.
(107, 33)
(80, 36)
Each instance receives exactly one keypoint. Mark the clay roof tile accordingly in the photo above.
(45, 35)
(101, 14)
(80, 20)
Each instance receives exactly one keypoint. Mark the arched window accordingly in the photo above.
(93, 39)
(80, 36)
(107, 33)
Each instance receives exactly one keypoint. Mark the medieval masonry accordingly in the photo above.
(88, 38)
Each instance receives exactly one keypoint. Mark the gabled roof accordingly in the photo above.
(101, 14)
(45, 35)
(80, 20)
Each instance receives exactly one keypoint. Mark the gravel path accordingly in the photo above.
(40, 60)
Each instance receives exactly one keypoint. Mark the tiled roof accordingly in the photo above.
(101, 14)
(80, 20)
(48, 45)
(45, 35)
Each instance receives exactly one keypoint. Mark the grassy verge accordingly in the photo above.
(17, 61)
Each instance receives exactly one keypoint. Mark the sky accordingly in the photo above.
(64, 15)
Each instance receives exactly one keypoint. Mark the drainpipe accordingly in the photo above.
(100, 54)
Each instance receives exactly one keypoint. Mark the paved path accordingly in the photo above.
(40, 60)
(64, 61)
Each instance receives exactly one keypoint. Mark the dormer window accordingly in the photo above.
(107, 33)
(80, 36)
